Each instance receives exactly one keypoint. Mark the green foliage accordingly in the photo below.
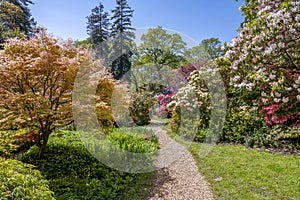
(21, 181)
(73, 173)
(140, 108)
(195, 54)
(213, 47)
(13, 141)
(83, 43)
(160, 49)
(104, 92)
(135, 141)
(244, 125)
(186, 127)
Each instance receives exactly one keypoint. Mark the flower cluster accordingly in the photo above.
(280, 96)
(196, 94)
(272, 37)
(163, 110)
(265, 57)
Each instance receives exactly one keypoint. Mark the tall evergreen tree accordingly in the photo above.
(121, 31)
(98, 30)
(15, 18)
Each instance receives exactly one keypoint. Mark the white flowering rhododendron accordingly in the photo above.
(265, 57)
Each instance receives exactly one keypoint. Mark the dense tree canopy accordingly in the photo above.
(213, 47)
(161, 48)
(158, 52)
(36, 81)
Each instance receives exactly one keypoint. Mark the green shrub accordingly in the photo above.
(15, 141)
(7, 142)
(140, 107)
(186, 128)
(22, 181)
(243, 125)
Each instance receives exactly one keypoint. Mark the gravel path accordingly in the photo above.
(178, 177)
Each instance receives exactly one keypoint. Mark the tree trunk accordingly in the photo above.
(42, 147)
(42, 151)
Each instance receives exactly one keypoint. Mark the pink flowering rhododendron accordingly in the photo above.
(265, 57)
(280, 105)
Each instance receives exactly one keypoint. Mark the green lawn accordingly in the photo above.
(236, 172)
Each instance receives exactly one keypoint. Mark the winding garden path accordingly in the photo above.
(178, 177)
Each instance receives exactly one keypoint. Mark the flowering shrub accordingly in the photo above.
(270, 35)
(265, 59)
(194, 101)
(181, 77)
(280, 97)
(163, 110)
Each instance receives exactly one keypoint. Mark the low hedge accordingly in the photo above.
(22, 181)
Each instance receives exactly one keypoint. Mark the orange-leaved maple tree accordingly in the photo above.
(36, 82)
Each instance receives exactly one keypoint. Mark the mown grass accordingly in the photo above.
(236, 172)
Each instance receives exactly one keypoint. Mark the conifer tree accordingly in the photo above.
(15, 18)
(98, 30)
(121, 31)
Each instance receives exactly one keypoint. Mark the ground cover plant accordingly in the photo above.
(73, 173)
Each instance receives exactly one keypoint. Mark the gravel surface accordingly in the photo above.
(177, 176)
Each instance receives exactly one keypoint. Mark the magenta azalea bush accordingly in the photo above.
(163, 110)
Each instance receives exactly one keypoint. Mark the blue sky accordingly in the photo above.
(198, 19)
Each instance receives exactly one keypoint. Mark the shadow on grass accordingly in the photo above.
(73, 173)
